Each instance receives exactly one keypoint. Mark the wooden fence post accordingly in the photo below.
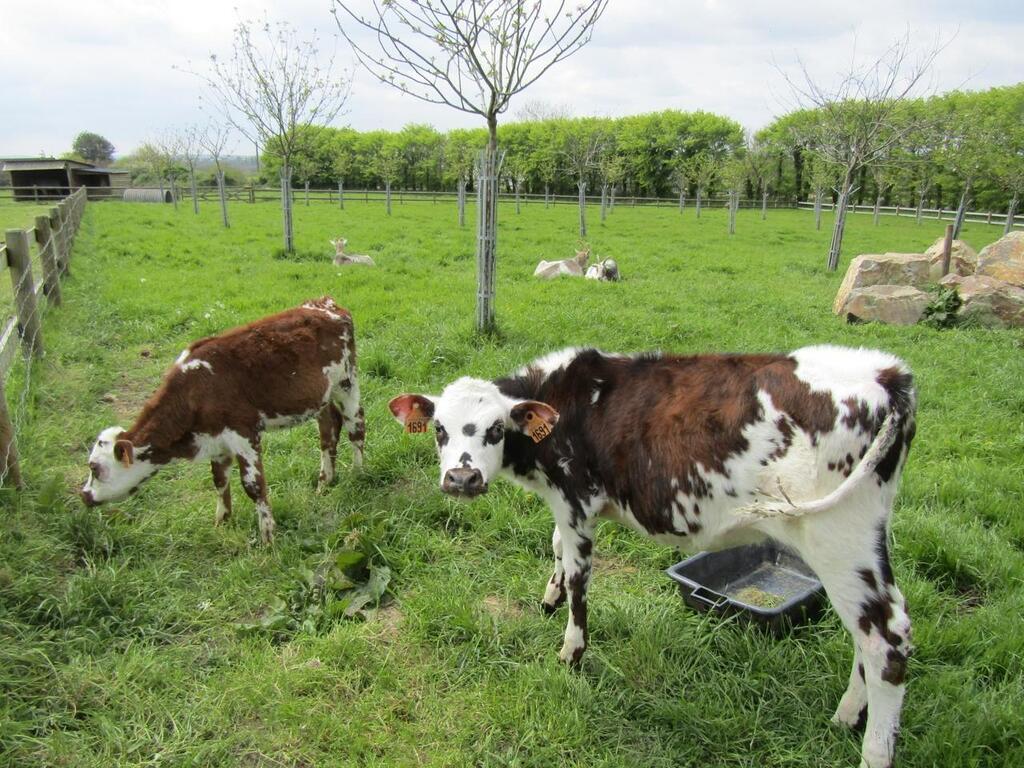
(9, 468)
(48, 258)
(57, 231)
(947, 249)
(19, 261)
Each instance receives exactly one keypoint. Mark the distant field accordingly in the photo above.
(120, 639)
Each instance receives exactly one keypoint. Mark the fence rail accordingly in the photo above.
(939, 214)
(55, 237)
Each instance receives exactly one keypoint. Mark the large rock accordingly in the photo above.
(894, 304)
(883, 269)
(988, 301)
(1004, 259)
(963, 260)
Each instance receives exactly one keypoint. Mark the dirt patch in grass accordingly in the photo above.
(501, 608)
(614, 566)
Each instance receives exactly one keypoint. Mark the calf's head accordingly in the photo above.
(471, 419)
(114, 468)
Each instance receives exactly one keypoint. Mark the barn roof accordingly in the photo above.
(44, 164)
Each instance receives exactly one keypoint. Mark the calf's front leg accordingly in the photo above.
(554, 594)
(250, 466)
(577, 535)
(221, 469)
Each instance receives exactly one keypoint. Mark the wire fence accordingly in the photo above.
(44, 251)
(942, 214)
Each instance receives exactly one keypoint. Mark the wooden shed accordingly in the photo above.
(47, 178)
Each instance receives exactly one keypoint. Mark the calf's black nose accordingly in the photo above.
(463, 481)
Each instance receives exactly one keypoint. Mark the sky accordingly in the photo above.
(119, 67)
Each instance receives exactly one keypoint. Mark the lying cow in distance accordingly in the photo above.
(606, 270)
(222, 392)
(573, 267)
(341, 258)
(704, 453)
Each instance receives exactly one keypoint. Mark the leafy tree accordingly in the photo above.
(93, 148)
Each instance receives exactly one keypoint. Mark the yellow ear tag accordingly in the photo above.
(536, 427)
(416, 423)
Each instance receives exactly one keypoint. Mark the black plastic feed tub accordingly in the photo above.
(731, 582)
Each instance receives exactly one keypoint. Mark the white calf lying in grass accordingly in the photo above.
(341, 258)
(606, 270)
(574, 266)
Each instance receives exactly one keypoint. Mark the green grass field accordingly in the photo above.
(126, 633)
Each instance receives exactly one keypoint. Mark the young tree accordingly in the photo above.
(515, 169)
(303, 170)
(735, 172)
(704, 168)
(681, 179)
(822, 177)
(386, 166)
(759, 159)
(854, 124)
(168, 149)
(474, 56)
(93, 148)
(190, 147)
(270, 87)
(612, 168)
(459, 150)
(214, 139)
(970, 138)
(341, 166)
(583, 144)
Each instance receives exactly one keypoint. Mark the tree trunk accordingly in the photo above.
(174, 195)
(582, 187)
(547, 194)
(387, 195)
(1011, 211)
(682, 199)
(764, 205)
(611, 201)
(817, 209)
(798, 171)
(604, 202)
(734, 200)
(461, 201)
(920, 207)
(516, 185)
(195, 195)
(488, 166)
(700, 193)
(961, 210)
(840, 224)
(877, 212)
(286, 208)
(306, 186)
(223, 198)
(341, 194)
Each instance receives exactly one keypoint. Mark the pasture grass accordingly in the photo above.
(121, 639)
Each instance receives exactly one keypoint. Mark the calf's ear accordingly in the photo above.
(413, 412)
(124, 452)
(534, 418)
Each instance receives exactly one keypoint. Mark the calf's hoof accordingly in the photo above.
(571, 655)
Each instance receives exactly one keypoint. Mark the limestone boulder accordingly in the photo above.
(963, 260)
(893, 304)
(988, 301)
(912, 269)
(1004, 259)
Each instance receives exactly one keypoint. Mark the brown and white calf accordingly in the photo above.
(224, 391)
(341, 258)
(704, 453)
(573, 267)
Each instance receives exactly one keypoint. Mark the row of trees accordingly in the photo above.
(957, 146)
(639, 154)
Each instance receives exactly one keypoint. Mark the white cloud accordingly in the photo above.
(106, 66)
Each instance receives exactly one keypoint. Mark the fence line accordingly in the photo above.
(55, 236)
(937, 214)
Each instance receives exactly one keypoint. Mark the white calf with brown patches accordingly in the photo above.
(223, 392)
(573, 267)
(704, 453)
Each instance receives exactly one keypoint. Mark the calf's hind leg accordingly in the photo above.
(330, 422)
(347, 401)
(858, 579)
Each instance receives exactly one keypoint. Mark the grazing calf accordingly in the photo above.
(222, 392)
(573, 267)
(341, 258)
(606, 270)
(704, 453)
